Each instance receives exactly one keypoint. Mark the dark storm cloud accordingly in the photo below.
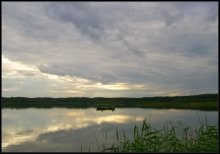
(173, 45)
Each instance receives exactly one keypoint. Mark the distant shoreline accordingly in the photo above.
(214, 95)
(199, 102)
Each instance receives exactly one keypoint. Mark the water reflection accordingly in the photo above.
(61, 129)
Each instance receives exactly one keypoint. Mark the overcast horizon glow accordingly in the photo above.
(109, 49)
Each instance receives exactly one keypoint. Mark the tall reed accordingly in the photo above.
(169, 139)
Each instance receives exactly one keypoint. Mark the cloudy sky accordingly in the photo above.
(109, 49)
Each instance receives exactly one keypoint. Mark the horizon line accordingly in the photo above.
(113, 97)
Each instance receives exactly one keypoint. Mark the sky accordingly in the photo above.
(109, 49)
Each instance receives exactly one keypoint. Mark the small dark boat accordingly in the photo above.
(105, 108)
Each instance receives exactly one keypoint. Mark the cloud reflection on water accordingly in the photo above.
(42, 129)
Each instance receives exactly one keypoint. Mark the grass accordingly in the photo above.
(169, 139)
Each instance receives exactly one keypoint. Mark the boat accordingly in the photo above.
(105, 108)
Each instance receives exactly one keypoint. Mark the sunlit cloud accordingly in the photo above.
(58, 84)
(13, 69)
(116, 86)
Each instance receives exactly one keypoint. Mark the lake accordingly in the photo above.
(69, 130)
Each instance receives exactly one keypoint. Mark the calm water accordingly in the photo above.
(60, 129)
